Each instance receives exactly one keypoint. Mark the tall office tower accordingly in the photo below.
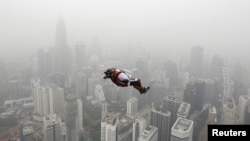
(185, 79)
(98, 93)
(247, 115)
(183, 110)
(26, 133)
(200, 89)
(227, 84)
(132, 106)
(57, 78)
(58, 99)
(14, 87)
(80, 82)
(104, 109)
(80, 115)
(190, 96)
(182, 130)
(109, 127)
(45, 62)
(140, 123)
(71, 118)
(210, 92)
(52, 130)
(92, 81)
(43, 99)
(229, 111)
(161, 120)
(171, 72)
(243, 101)
(63, 53)
(212, 115)
(172, 104)
(196, 62)
(216, 65)
(80, 55)
(149, 134)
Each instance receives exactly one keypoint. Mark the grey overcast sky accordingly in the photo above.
(216, 25)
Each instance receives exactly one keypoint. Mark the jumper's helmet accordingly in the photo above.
(108, 73)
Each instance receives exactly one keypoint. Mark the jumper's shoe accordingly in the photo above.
(144, 90)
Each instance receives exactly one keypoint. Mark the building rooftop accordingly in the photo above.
(182, 124)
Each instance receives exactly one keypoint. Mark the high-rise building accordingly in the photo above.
(99, 94)
(229, 112)
(196, 62)
(80, 115)
(58, 99)
(182, 130)
(172, 104)
(183, 110)
(243, 101)
(132, 106)
(63, 53)
(149, 134)
(58, 78)
(161, 120)
(109, 127)
(71, 118)
(52, 128)
(247, 115)
(200, 89)
(227, 84)
(139, 125)
(171, 72)
(212, 115)
(80, 82)
(216, 66)
(14, 87)
(43, 99)
(45, 62)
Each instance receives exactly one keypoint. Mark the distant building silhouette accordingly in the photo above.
(196, 62)
(63, 53)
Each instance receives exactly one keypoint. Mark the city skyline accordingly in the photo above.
(170, 26)
(52, 83)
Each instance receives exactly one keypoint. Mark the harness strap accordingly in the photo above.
(116, 76)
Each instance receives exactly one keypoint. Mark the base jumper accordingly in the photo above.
(123, 79)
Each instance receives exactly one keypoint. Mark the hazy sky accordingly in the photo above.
(171, 24)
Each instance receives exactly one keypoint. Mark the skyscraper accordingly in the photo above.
(43, 99)
(196, 62)
(71, 118)
(109, 127)
(183, 110)
(139, 125)
(132, 106)
(182, 130)
(45, 62)
(63, 53)
(172, 104)
(52, 130)
(80, 115)
(161, 120)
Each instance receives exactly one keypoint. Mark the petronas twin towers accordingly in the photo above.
(63, 55)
